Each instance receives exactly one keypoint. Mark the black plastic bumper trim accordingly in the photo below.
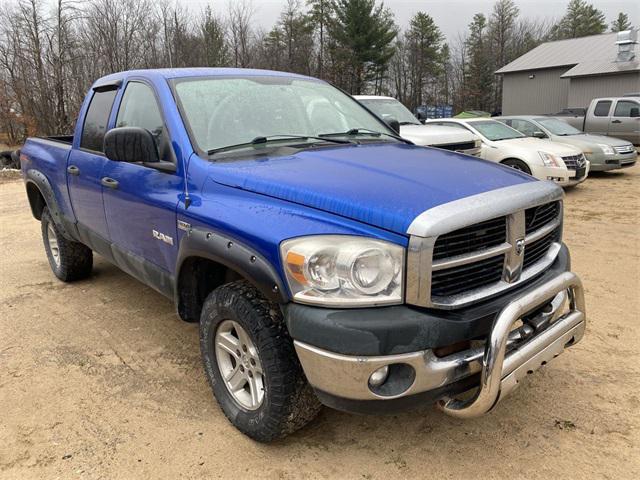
(403, 328)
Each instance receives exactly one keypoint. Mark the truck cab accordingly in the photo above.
(324, 259)
(617, 117)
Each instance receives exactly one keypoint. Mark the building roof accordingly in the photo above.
(601, 67)
(595, 54)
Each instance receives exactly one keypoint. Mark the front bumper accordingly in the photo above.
(496, 367)
(575, 179)
(603, 163)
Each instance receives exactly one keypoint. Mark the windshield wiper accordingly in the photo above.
(365, 131)
(272, 138)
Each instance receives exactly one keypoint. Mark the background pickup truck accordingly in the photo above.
(616, 117)
(326, 260)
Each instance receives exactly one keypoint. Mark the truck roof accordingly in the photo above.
(171, 73)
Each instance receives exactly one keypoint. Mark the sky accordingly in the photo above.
(452, 16)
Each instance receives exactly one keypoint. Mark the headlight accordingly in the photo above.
(606, 149)
(550, 159)
(341, 270)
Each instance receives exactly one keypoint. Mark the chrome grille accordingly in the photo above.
(539, 216)
(456, 147)
(490, 256)
(535, 251)
(475, 237)
(454, 281)
(624, 149)
(574, 162)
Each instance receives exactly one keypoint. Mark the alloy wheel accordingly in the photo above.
(239, 365)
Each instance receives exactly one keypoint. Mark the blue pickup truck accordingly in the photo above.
(326, 260)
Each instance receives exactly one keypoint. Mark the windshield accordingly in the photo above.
(495, 131)
(558, 127)
(387, 108)
(228, 111)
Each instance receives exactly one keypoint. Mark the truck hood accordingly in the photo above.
(385, 185)
(435, 134)
(530, 144)
(586, 140)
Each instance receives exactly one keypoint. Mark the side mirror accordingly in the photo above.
(131, 145)
(421, 116)
(394, 124)
(539, 134)
(634, 112)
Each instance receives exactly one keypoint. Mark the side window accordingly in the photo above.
(139, 108)
(524, 127)
(96, 119)
(623, 108)
(602, 108)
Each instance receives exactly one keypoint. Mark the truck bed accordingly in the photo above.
(48, 155)
(66, 139)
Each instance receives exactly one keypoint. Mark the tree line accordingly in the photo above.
(50, 53)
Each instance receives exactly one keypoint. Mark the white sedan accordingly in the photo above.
(543, 159)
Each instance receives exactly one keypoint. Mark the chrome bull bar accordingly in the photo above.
(501, 371)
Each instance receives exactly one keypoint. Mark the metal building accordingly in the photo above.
(570, 73)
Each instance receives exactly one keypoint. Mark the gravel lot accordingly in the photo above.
(99, 379)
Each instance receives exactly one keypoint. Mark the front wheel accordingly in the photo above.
(251, 364)
(517, 164)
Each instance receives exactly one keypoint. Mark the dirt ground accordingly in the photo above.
(100, 379)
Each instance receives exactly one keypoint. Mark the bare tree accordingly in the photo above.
(240, 14)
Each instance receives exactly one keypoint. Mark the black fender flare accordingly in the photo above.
(41, 182)
(231, 253)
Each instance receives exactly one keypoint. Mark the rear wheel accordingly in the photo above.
(251, 364)
(69, 260)
(517, 164)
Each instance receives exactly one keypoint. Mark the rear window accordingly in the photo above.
(602, 108)
(96, 119)
(623, 108)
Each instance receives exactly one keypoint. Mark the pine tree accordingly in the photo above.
(501, 31)
(621, 23)
(581, 19)
(362, 43)
(298, 35)
(479, 68)
(320, 12)
(424, 49)
(216, 52)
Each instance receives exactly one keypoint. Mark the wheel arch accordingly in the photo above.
(37, 202)
(207, 260)
(518, 159)
(40, 194)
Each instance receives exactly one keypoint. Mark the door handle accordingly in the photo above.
(73, 170)
(109, 182)
(616, 121)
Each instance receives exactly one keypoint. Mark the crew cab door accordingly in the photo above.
(598, 118)
(84, 168)
(623, 124)
(140, 202)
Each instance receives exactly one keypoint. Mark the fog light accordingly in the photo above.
(378, 377)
